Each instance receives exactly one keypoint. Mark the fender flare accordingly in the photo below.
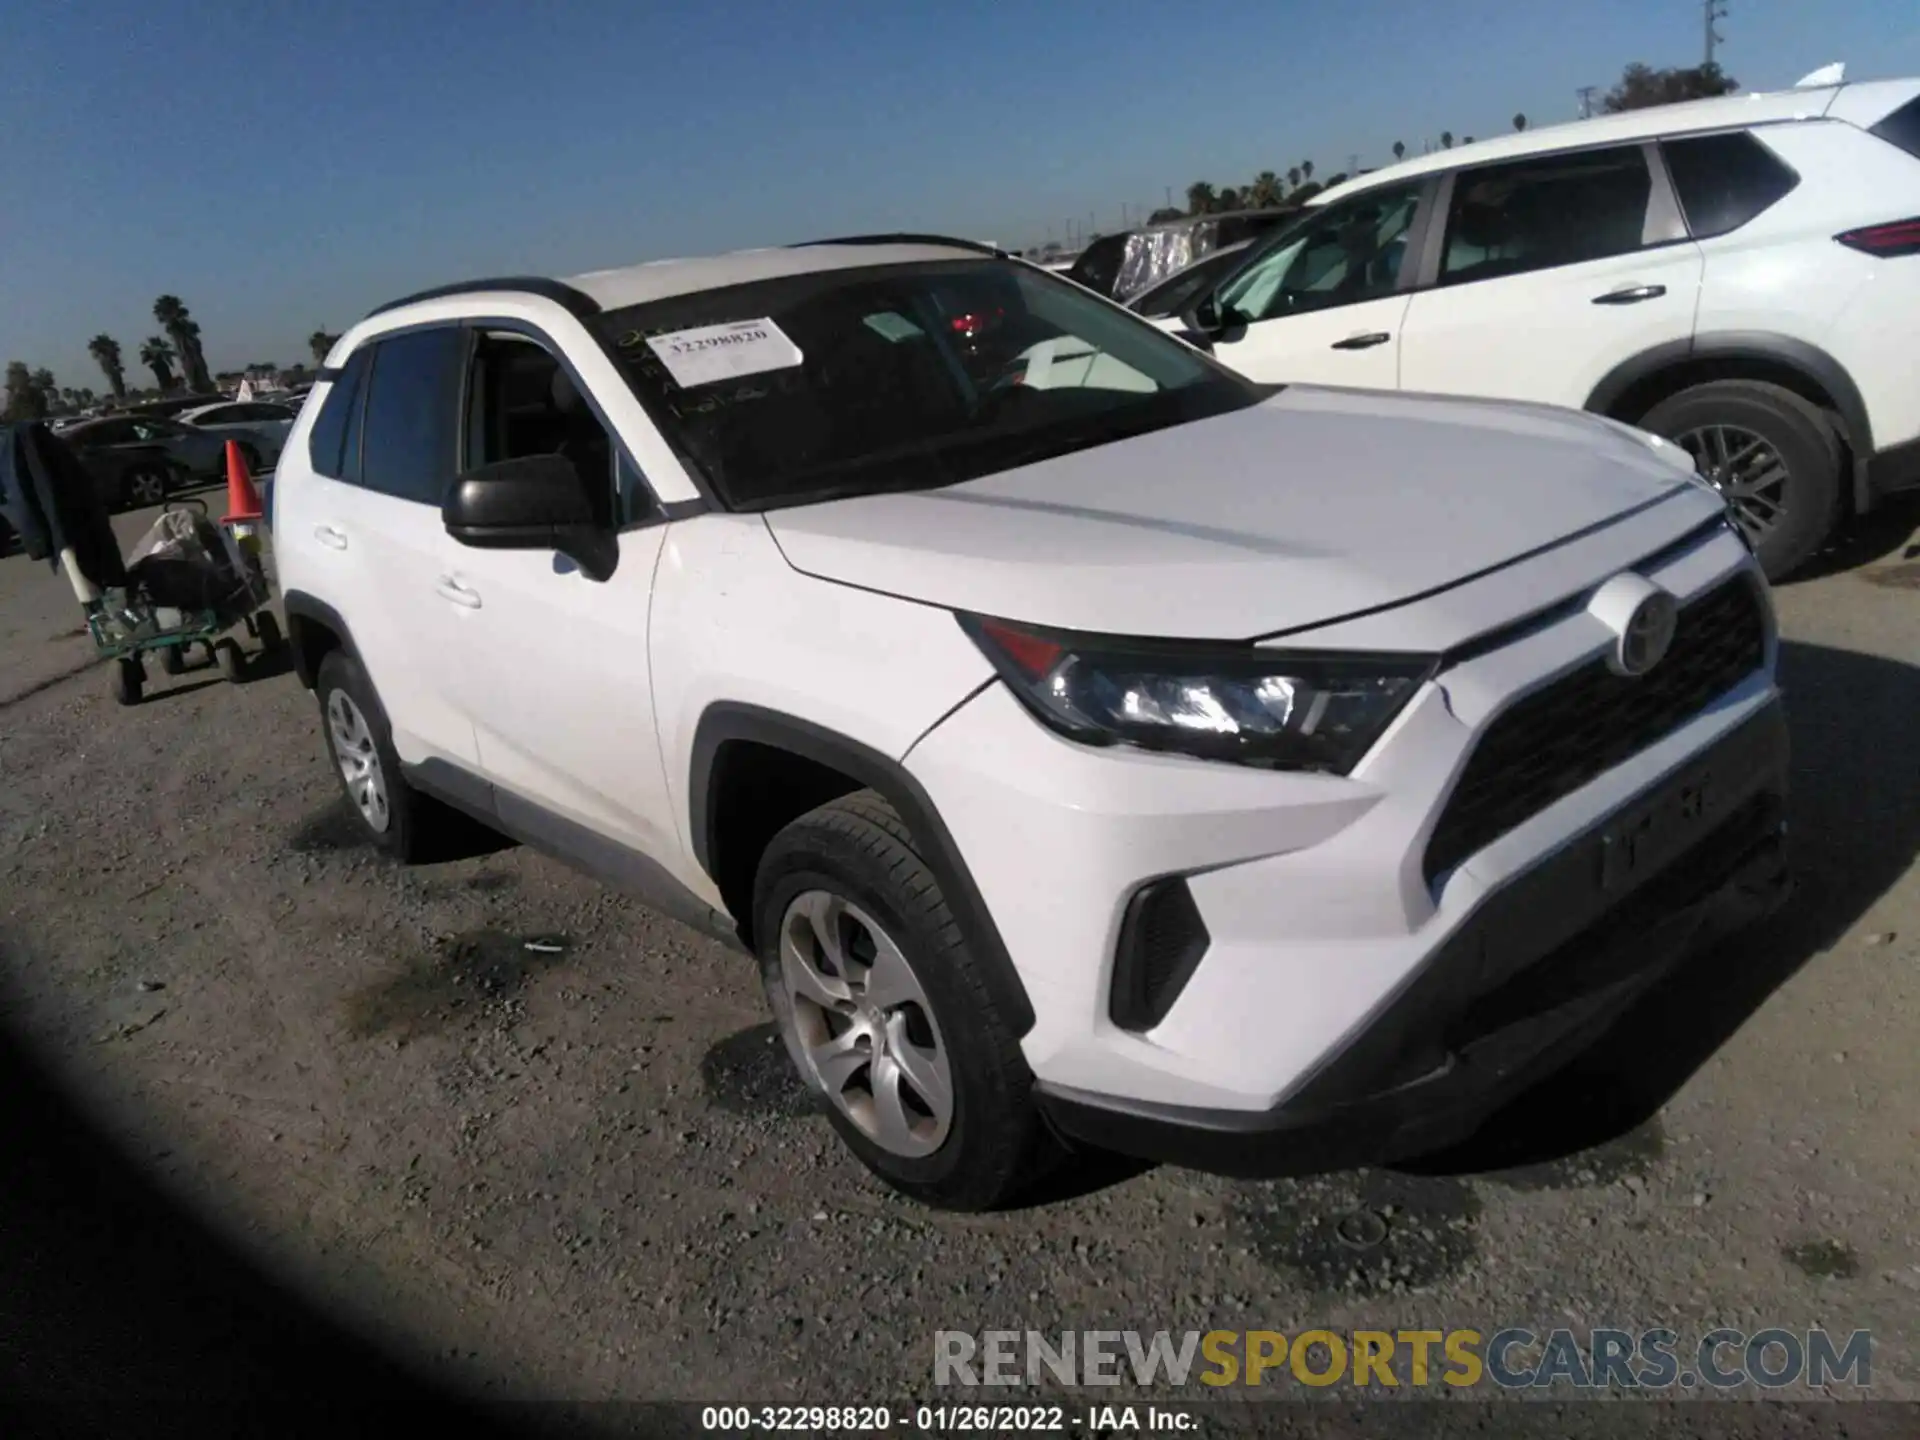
(726, 721)
(1809, 360)
(303, 609)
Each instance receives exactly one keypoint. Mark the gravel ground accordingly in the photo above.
(577, 1168)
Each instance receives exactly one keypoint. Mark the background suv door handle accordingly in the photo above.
(1363, 342)
(1630, 295)
(448, 588)
(331, 538)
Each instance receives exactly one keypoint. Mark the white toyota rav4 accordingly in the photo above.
(1092, 745)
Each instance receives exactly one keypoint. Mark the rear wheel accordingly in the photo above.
(232, 661)
(391, 813)
(1772, 454)
(268, 630)
(886, 1014)
(173, 659)
(128, 679)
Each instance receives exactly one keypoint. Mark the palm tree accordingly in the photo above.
(44, 382)
(1229, 199)
(106, 350)
(1265, 192)
(1306, 169)
(1399, 149)
(171, 312)
(1519, 122)
(25, 400)
(320, 342)
(158, 356)
(1200, 198)
(1446, 139)
(1293, 176)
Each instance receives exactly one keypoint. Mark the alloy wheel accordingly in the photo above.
(359, 760)
(147, 487)
(1746, 469)
(865, 1026)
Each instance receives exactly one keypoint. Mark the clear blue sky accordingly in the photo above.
(283, 167)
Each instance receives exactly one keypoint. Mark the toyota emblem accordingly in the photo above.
(1644, 639)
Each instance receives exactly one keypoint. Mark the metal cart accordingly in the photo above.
(128, 625)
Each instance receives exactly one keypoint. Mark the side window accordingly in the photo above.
(1723, 181)
(1545, 211)
(411, 426)
(328, 447)
(1341, 255)
(522, 402)
(1902, 128)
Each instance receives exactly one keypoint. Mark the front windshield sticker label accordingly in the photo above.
(724, 352)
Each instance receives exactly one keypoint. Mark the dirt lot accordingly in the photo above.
(579, 1170)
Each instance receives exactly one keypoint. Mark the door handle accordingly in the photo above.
(448, 588)
(1630, 295)
(331, 538)
(1364, 341)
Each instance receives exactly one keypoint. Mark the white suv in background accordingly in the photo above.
(1090, 743)
(1741, 275)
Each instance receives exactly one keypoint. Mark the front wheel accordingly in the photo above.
(1774, 457)
(143, 487)
(886, 1014)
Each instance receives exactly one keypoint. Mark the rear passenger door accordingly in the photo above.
(1549, 272)
(389, 457)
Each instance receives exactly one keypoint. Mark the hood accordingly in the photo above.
(1314, 505)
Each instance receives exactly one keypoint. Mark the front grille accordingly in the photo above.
(1554, 741)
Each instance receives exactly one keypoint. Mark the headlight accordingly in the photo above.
(1238, 703)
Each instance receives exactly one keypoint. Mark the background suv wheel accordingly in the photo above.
(1772, 454)
(885, 1013)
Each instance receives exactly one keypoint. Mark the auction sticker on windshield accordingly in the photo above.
(724, 352)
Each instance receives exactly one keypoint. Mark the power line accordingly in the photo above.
(1586, 94)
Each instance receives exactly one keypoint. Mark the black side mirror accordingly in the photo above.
(536, 503)
(1203, 322)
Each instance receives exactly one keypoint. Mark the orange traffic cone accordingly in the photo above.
(243, 501)
(243, 504)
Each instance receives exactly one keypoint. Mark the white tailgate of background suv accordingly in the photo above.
(1740, 275)
(1118, 753)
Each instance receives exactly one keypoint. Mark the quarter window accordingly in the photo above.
(1546, 211)
(1723, 181)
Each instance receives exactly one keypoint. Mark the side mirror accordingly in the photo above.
(1202, 322)
(536, 503)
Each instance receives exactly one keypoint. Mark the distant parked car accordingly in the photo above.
(173, 404)
(196, 452)
(1180, 289)
(260, 427)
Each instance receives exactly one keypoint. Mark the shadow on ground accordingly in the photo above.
(1861, 542)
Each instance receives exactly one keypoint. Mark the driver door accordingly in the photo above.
(1325, 304)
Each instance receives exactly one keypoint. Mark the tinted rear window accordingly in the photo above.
(1725, 180)
(327, 447)
(1902, 128)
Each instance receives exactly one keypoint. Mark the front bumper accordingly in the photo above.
(1541, 968)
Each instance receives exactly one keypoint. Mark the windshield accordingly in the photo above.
(848, 382)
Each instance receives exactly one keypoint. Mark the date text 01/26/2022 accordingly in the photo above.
(948, 1419)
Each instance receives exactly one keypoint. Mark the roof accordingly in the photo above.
(659, 279)
(1862, 104)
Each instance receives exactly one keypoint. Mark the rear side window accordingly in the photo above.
(1545, 211)
(1902, 128)
(412, 415)
(328, 449)
(1725, 180)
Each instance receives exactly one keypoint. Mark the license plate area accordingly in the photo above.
(1646, 835)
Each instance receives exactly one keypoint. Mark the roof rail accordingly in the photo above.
(906, 238)
(578, 305)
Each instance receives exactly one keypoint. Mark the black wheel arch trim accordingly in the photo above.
(303, 608)
(727, 721)
(1810, 360)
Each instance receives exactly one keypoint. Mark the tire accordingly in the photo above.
(268, 630)
(850, 869)
(232, 661)
(143, 487)
(128, 679)
(173, 660)
(1805, 501)
(402, 823)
